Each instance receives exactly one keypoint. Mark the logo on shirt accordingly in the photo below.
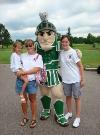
(36, 57)
(21, 62)
(69, 56)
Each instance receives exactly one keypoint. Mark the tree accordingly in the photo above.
(97, 39)
(90, 39)
(5, 38)
(58, 36)
(20, 41)
(70, 37)
(75, 40)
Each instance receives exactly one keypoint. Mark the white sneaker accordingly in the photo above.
(76, 122)
(68, 115)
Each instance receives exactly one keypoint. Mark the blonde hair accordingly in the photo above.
(29, 41)
(15, 44)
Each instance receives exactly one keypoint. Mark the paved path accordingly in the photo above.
(10, 111)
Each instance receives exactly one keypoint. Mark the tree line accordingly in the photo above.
(5, 37)
(90, 39)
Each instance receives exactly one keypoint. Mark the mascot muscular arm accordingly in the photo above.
(48, 46)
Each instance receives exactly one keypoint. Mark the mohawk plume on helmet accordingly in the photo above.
(43, 16)
(45, 25)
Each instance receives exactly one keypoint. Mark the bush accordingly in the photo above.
(98, 70)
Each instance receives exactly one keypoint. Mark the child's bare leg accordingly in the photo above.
(78, 106)
(69, 103)
(24, 86)
(25, 79)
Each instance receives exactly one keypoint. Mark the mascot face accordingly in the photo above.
(46, 39)
(46, 33)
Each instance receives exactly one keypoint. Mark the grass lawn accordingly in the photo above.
(91, 56)
(5, 56)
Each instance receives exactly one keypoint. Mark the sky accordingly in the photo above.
(21, 17)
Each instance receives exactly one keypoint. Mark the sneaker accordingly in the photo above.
(68, 115)
(76, 123)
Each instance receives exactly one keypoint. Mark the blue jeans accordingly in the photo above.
(31, 88)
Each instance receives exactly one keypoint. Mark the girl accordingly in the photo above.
(72, 78)
(16, 65)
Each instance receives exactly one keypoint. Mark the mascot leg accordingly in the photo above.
(57, 93)
(46, 101)
(46, 107)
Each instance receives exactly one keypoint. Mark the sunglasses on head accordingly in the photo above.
(30, 45)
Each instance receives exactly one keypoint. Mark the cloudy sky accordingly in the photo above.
(21, 17)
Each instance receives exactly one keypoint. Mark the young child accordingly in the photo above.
(16, 65)
(72, 78)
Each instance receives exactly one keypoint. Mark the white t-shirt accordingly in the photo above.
(69, 70)
(15, 62)
(31, 61)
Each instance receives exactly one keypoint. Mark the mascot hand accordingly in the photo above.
(79, 53)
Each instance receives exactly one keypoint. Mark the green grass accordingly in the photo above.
(91, 56)
(5, 56)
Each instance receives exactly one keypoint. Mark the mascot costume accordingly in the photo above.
(48, 46)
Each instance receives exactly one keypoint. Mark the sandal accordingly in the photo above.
(33, 124)
(24, 121)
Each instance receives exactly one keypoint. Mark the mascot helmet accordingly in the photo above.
(45, 25)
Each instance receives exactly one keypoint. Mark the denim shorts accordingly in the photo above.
(72, 89)
(31, 88)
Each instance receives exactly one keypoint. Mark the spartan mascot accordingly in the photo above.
(48, 46)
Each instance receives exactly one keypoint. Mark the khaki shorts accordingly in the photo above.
(72, 89)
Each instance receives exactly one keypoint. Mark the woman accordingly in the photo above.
(32, 63)
(72, 78)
